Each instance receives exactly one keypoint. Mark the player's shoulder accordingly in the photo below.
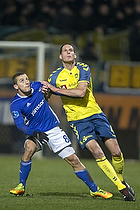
(56, 72)
(53, 76)
(35, 84)
(82, 65)
(15, 98)
(16, 101)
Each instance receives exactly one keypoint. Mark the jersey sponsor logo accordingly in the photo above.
(73, 85)
(63, 80)
(37, 107)
(15, 114)
(63, 87)
(28, 104)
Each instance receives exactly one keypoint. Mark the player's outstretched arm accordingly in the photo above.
(74, 92)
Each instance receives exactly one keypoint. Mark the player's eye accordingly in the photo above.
(21, 80)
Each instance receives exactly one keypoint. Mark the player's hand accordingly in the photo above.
(44, 87)
(47, 95)
(41, 136)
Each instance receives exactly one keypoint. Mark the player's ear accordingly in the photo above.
(15, 86)
(60, 56)
(75, 55)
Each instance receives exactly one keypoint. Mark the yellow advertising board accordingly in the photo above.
(124, 76)
(123, 111)
(11, 66)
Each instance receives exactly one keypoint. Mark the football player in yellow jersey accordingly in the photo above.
(72, 81)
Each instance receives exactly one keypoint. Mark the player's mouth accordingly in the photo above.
(68, 56)
(27, 86)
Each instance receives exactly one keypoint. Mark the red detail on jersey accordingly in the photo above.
(63, 87)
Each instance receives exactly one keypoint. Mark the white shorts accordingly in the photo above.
(58, 142)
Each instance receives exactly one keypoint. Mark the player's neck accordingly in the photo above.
(69, 66)
(22, 93)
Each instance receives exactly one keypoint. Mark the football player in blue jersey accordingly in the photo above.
(72, 81)
(34, 117)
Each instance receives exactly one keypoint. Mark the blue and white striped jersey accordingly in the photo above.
(32, 113)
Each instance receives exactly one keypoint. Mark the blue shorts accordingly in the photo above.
(93, 127)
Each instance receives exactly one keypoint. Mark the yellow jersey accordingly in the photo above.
(76, 108)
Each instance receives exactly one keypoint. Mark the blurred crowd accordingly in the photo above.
(74, 17)
(70, 16)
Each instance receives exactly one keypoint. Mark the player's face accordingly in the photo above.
(23, 85)
(68, 55)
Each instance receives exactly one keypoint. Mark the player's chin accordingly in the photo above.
(27, 91)
(69, 60)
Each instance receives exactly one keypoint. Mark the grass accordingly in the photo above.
(52, 185)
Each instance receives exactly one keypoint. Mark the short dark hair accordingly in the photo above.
(14, 78)
(64, 45)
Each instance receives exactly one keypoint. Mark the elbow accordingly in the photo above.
(82, 94)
